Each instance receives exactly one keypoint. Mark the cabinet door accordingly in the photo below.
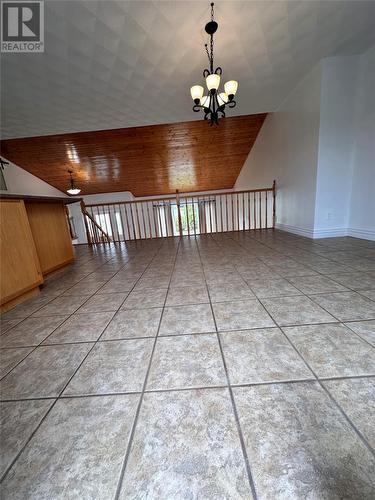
(51, 234)
(20, 269)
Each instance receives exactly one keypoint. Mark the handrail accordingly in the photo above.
(182, 195)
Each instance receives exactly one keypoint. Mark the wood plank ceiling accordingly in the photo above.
(149, 160)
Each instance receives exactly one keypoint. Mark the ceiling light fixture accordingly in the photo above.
(215, 102)
(72, 190)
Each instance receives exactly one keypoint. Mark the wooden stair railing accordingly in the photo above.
(104, 235)
(181, 214)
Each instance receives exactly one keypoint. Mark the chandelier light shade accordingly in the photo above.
(196, 92)
(213, 104)
(73, 190)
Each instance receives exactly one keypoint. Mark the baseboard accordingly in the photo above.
(307, 233)
(365, 234)
(330, 233)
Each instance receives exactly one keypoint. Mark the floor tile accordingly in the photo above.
(10, 357)
(186, 361)
(134, 323)
(44, 372)
(84, 288)
(356, 397)
(80, 328)
(316, 284)
(104, 302)
(26, 308)
(346, 306)
(261, 356)
(241, 314)
(148, 297)
(187, 319)
(300, 446)
(7, 324)
(115, 286)
(220, 293)
(370, 294)
(333, 350)
(355, 281)
(62, 305)
(182, 296)
(31, 332)
(118, 366)
(366, 329)
(186, 445)
(18, 420)
(296, 311)
(272, 288)
(293, 270)
(152, 281)
(81, 445)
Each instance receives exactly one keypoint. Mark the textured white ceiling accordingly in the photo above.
(110, 64)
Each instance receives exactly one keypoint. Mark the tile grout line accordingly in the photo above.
(234, 407)
(7, 470)
(192, 388)
(138, 410)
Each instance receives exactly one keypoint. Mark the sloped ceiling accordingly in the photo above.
(150, 160)
(112, 64)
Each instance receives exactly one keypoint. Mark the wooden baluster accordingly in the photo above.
(149, 219)
(111, 224)
(226, 209)
(243, 211)
(274, 204)
(132, 221)
(209, 210)
(238, 211)
(255, 211)
(266, 210)
(192, 204)
(179, 214)
(260, 209)
(248, 207)
(221, 212)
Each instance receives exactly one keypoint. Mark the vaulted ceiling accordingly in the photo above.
(112, 64)
(150, 160)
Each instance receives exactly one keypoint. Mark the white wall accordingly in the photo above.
(336, 142)
(287, 150)
(362, 205)
(19, 181)
(320, 147)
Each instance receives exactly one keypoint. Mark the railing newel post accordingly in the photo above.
(84, 211)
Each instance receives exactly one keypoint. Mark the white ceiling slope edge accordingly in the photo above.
(110, 64)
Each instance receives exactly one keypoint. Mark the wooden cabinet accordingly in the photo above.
(51, 235)
(34, 241)
(20, 269)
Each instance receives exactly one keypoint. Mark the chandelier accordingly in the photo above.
(72, 188)
(215, 102)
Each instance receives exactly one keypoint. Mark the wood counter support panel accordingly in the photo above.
(51, 235)
(20, 269)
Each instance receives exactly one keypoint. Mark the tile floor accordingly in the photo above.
(236, 366)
